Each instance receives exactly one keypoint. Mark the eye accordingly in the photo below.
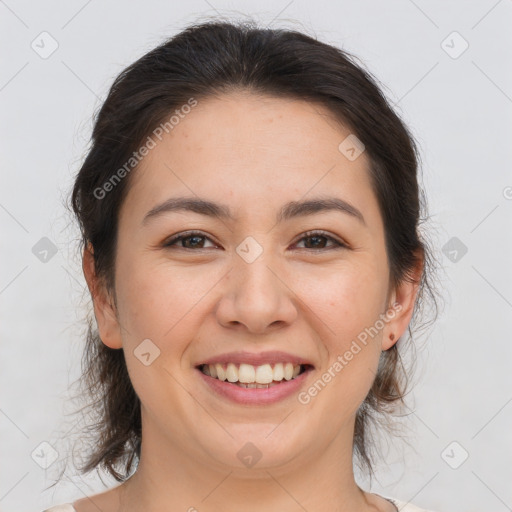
(316, 238)
(195, 240)
(193, 236)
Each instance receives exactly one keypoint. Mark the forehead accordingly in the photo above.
(255, 152)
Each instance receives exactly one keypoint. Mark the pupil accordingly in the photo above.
(317, 238)
(193, 238)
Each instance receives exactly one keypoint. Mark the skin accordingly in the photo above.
(252, 153)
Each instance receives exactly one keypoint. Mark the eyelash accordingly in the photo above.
(309, 234)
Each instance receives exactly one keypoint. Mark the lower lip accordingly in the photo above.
(255, 396)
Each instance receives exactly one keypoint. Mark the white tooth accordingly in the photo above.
(264, 374)
(232, 373)
(221, 373)
(278, 371)
(246, 373)
(252, 385)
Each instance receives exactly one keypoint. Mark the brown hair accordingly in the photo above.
(208, 59)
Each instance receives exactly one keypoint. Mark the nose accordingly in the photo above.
(257, 297)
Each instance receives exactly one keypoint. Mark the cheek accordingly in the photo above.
(162, 305)
(347, 299)
(160, 301)
(348, 303)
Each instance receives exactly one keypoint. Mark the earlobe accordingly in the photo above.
(104, 309)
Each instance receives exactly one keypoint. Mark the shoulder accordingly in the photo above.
(65, 507)
(404, 506)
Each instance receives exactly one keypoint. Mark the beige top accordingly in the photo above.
(401, 506)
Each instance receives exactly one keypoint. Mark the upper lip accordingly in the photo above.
(256, 359)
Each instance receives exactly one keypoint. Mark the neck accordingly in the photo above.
(169, 477)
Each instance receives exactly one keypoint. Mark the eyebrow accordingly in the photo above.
(290, 210)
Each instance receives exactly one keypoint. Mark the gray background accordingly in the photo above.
(458, 105)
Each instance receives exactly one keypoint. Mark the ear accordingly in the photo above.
(104, 308)
(404, 298)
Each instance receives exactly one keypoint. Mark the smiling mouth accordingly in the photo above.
(249, 376)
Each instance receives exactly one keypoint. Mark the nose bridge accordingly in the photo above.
(257, 295)
(255, 280)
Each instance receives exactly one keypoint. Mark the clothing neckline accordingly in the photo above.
(391, 500)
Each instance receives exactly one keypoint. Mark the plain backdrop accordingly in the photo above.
(446, 66)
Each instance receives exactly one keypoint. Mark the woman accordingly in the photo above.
(249, 212)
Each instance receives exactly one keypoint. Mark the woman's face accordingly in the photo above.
(253, 283)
